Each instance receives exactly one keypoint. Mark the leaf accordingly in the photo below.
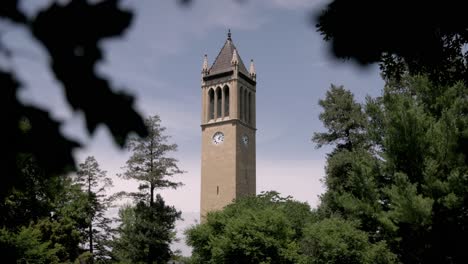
(72, 43)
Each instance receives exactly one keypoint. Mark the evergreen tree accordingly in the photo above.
(149, 163)
(334, 240)
(408, 188)
(43, 218)
(351, 170)
(93, 182)
(147, 229)
(343, 118)
(146, 232)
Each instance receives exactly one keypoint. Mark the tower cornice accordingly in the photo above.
(221, 75)
(217, 76)
(227, 121)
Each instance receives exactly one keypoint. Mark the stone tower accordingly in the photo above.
(228, 129)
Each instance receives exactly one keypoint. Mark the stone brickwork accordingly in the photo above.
(227, 168)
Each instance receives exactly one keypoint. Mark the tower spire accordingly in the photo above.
(205, 65)
(226, 59)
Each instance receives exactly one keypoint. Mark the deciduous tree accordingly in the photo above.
(262, 229)
(405, 37)
(71, 44)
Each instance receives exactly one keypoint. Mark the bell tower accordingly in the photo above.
(228, 129)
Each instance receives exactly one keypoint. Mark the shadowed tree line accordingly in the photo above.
(48, 213)
(65, 218)
(71, 43)
(405, 177)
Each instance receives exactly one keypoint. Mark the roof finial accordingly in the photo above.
(252, 68)
(205, 64)
(252, 72)
(229, 34)
(235, 58)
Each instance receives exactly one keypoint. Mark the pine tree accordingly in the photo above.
(94, 182)
(343, 118)
(408, 185)
(147, 229)
(149, 163)
(146, 232)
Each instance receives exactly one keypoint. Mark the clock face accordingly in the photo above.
(218, 138)
(245, 140)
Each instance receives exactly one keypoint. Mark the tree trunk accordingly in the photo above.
(151, 194)
(90, 228)
(151, 171)
(91, 241)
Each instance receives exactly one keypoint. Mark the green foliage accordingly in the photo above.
(334, 240)
(343, 118)
(42, 215)
(71, 44)
(26, 246)
(272, 229)
(50, 210)
(407, 186)
(68, 222)
(262, 229)
(146, 232)
(352, 181)
(94, 182)
(50, 240)
(149, 163)
(32, 198)
(405, 37)
(352, 171)
(147, 229)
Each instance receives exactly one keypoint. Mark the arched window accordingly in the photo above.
(226, 100)
(241, 103)
(219, 98)
(249, 117)
(211, 104)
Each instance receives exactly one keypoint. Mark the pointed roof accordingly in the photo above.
(222, 63)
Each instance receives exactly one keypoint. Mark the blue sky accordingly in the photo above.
(159, 60)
